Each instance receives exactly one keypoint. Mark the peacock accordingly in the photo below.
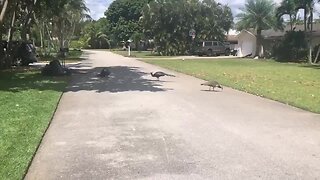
(159, 74)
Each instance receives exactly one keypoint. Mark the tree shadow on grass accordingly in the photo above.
(17, 81)
(121, 79)
(311, 66)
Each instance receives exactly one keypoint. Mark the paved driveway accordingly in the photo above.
(131, 126)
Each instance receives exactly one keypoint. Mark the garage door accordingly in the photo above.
(247, 48)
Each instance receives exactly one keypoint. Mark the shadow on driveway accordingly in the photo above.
(121, 79)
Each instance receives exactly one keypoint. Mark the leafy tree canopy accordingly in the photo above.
(123, 16)
(169, 26)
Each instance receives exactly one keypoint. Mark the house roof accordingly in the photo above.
(270, 33)
(232, 38)
(246, 31)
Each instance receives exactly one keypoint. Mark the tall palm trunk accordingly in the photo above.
(310, 34)
(259, 43)
(291, 22)
(305, 18)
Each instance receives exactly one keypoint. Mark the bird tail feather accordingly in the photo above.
(170, 75)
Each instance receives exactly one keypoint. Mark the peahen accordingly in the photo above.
(105, 72)
(212, 84)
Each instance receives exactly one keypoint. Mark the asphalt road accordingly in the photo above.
(132, 126)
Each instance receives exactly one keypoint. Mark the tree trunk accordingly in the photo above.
(305, 18)
(10, 30)
(317, 56)
(11, 54)
(26, 25)
(258, 43)
(61, 35)
(49, 35)
(310, 39)
(291, 22)
(3, 11)
(41, 37)
(26, 29)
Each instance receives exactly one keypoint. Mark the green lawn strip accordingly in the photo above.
(28, 101)
(294, 84)
(72, 56)
(139, 54)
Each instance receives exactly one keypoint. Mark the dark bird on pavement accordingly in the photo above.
(248, 55)
(105, 72)
(159, 74)
(212, 84)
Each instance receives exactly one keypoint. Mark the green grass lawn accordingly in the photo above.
(28, 101)
(73, 56)
(294, 84)
(139, 54)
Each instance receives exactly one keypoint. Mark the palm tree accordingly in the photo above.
(288, 7)
(258, 15)
(64, 15)
(307, 6)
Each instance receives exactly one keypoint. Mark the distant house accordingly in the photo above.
(233, 40)
(246, 43)
(247, 38)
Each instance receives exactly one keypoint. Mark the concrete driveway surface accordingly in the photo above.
(132, 126)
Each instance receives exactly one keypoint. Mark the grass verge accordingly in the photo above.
(72, 56)
(139, 54)
(28, 101)
(294, 84)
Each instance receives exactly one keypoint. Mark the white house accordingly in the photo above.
(247, 39)
(246, 43)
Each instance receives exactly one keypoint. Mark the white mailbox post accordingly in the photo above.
(129, 47)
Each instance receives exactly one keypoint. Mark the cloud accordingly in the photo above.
(98, 7)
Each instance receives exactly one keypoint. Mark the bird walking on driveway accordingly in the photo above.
(105, 72)
(159, 74)
(212, 84)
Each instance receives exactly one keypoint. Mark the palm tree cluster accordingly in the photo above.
(291, 8)
(51, 24)
(263, 14)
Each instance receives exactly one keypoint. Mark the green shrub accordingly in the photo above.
(291, 48)
(77, 44)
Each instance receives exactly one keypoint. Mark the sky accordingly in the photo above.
(98, 7)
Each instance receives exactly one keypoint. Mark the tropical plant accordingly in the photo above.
(292, 47)
(288, 7)
(258, 15)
